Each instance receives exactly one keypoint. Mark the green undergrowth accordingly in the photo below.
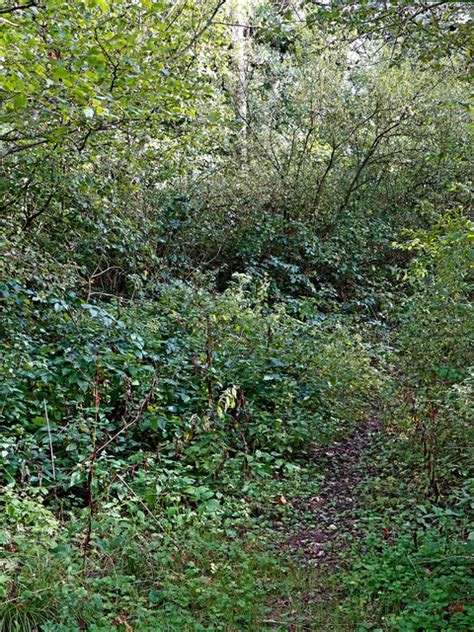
(413, 555)
(144, 568)
(153, 451)
(148, 449)
(142, 571)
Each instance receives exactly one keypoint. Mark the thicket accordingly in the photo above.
(230, 234)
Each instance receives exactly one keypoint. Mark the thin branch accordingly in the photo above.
(18, 7)
(147, 509)
(14, 150)
(373, 147)
(319, 188)
(141, 409)
(30, 218)
(53, 469)
(201, 31)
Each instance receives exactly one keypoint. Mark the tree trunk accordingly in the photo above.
(241, 41)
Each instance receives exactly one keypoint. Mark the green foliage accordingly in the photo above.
(30, 574)
(434, 323)
(417, 576)
(225, 247)
(429, 31)
(234, 375)
(426, 589)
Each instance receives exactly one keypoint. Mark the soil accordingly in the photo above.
(328, 521)
(323, 527)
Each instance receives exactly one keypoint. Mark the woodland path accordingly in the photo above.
(328, 519)
(325, 525)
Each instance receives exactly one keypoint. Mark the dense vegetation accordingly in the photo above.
(236, 379)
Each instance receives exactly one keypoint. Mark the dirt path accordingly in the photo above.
(323, 527)
(328, 519)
